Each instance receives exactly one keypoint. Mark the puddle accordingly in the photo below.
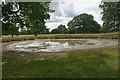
(54, 45)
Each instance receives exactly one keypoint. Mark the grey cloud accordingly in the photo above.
(96, 9)
(69, 11)
(66, 11)
(54, 19)
(56, 7)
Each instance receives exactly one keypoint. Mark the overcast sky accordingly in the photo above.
(65, 10)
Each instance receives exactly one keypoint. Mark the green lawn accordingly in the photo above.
(98, 63)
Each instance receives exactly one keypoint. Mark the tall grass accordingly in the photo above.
(64, 36)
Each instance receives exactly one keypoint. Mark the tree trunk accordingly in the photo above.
(17, 35)
(12, 35)
(35, 34)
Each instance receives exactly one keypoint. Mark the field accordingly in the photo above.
(90, 63)
(99, 63)
(61, 36)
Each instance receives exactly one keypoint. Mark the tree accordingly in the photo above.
(10, 18)
(110, 16)
(30, 15)
(83, 23)
(55, 31)
(61, 29)
(36, 14)
(46, 31)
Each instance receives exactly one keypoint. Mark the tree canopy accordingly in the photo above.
(29, 15)
(10, 18)
(61, 29)
(110, 16)
(83, 23)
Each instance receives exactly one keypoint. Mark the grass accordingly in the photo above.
(95, 63)
(63, 36)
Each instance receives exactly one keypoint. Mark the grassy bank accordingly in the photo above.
(63, 36)
(98, 63)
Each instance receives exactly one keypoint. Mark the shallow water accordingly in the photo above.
(54, 45)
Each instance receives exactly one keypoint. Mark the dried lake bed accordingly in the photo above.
(58, 45)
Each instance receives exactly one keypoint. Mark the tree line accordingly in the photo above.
(29, 18)
(85, 23)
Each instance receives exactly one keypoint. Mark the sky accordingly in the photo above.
(65, 10)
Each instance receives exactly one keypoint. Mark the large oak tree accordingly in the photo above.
(83, 23)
